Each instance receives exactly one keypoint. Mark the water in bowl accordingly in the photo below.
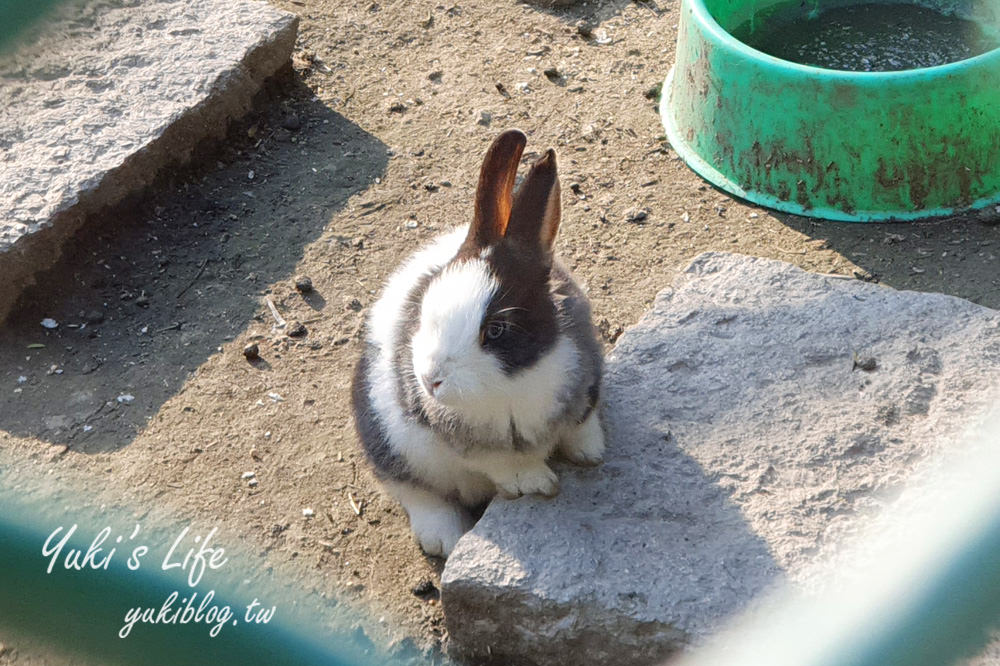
(868, 37)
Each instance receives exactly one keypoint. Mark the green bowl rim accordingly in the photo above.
(725, 38)
(707, 171)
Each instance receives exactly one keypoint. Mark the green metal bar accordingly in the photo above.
(81, 613)
(924, 590)
(67, 606)
(18, 15)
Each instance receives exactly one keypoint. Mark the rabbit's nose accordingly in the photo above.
(431, 383)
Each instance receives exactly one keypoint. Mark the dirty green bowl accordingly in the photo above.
(841, 145)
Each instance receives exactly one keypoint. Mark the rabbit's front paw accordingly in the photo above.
(535, 480)
(437, 530)
(586, 445)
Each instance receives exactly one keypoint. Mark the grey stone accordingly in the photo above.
(99, 98)
(744, 444)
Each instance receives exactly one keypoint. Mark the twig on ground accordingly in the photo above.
(201, 269)
(354, 505)
(279, 321)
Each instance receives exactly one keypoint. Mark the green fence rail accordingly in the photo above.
(922, 590)
(17, 15)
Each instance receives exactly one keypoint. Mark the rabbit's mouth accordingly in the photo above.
(446, 391)
(430, 383)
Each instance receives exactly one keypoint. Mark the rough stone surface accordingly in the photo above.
(106, 93)
(745, 441)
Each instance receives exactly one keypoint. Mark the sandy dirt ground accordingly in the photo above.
(366, 148)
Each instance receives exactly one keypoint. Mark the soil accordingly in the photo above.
(365, 149)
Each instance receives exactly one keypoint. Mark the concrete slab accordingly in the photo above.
(755, 416)
(105, 94)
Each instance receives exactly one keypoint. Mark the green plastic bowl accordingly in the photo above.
(853, 146)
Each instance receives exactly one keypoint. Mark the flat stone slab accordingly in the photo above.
(103, 95)
(755, 416)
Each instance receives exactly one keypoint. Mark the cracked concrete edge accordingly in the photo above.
(230, 98)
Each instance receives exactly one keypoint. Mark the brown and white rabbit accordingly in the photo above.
(481, 359)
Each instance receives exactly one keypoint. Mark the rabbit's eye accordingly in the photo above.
(495, 329)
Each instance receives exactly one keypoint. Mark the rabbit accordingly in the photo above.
(481, 359)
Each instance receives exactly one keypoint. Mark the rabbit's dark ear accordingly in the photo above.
(493, 195)
(536, 212)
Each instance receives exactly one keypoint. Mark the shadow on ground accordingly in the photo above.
(148, 290)
(957, 256)
(586, 15)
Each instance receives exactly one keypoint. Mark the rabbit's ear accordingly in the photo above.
(536, 212)
(493, 195)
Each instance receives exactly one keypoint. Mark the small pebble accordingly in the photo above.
(425, 589)
(252, 483)
(866, 363)
(484, 118)
(50, 323)
(291, 121)
(94, 317)
(308, 513)
(396, 107)
(251, 351)
(303, 284)
(297, 329)
(142, 301)
(248, 475)
(636, 216)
